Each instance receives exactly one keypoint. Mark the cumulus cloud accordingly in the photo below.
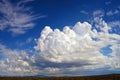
(75, 49)
(63, 52)
(115, 26)
(116, 57)
(16, 18)
(15, 63)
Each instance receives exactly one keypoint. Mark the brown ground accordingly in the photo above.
(102, 77)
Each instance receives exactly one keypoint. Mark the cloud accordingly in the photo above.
(98, 13)
(114, 24)
(119, 7)
(108, 2)
(24, 42)
(83, 12)
(110, 13)
(16, 18)
(65, 52)
(98, 23)
(15, 63)
(115, 54)
(75, 49)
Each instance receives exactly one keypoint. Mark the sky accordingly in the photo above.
(59, 37)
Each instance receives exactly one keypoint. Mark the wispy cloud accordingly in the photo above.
(16, 18)
(25, 42)
(114, 24)
(98, 13)
(110, 13)
(119, 7)
(83, 12)
(108, 2)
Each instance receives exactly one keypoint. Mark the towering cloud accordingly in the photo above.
(79, 46)
(65, 52)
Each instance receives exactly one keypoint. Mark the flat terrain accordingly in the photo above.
(102, 77)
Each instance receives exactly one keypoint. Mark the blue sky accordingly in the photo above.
(59, 37)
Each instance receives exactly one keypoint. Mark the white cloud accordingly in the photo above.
(75, 48)
(110, 13)
(116, 57)
(98, 13)
(114, 24)
(108, 2)
(15, 63)
(62, 52)
(16, 18)
(22, 43)
(83, 12)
